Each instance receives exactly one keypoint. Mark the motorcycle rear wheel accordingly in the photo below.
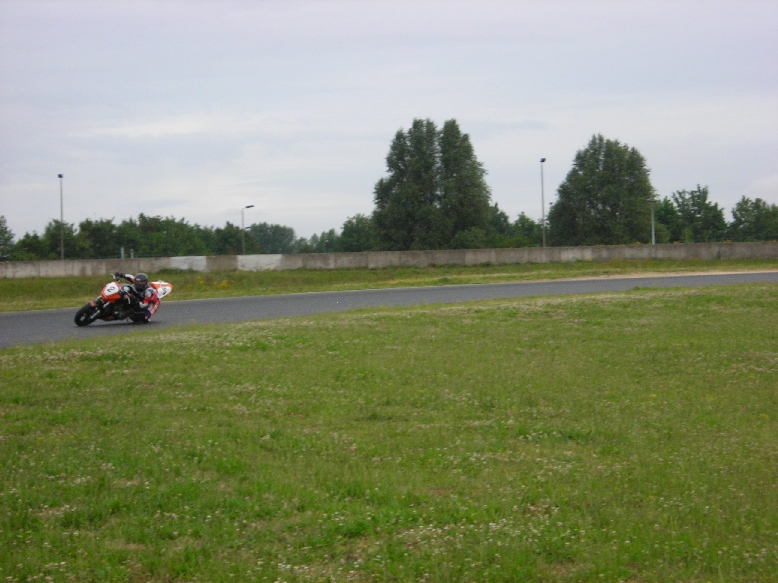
(86, 315)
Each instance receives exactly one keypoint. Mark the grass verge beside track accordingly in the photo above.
(598, 438)
(47, 293)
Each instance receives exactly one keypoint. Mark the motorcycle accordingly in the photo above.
(117, 302)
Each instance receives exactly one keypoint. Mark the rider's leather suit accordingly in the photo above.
(148, 300)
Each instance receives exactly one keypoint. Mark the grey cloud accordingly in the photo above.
(293, 104)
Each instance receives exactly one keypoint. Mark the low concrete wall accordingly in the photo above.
(82, 267)
(379, 259)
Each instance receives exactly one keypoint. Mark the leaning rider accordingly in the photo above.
(142, 293)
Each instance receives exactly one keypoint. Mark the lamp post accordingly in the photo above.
(542, 203)
(653, 224)
(61, 221)
(243, 229)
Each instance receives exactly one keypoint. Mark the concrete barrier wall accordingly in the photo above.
(379, 259)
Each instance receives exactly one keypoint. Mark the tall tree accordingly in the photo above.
(98, 239)
(54, 236)
(406, 213)
(464, 195)
(273, 238)
(529, 233)
(754, 220)
(30, 248)
(501, 233)
(700, 220)
(6, 240)
(435, 195)
(358, 234)
(34, 247)
(605, 198)
(228, 241)
(327, 242)
(668, 221)
(165, 237)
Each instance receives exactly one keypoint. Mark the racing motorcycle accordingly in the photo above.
(117, 302)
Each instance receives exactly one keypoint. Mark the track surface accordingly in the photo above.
(52, 325)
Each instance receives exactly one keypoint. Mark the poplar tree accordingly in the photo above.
(435, 195)
(605, 199)
(6, 240)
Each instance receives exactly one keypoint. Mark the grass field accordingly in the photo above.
(617, 437)
(39, 293)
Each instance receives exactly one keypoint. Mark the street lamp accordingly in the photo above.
(653, 224)
(243, 229)
(61, 222)
(542, 203)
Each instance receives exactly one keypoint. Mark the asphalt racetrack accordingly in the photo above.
(52, 325)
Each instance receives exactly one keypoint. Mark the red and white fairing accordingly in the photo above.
(163, 288)
(110, 292)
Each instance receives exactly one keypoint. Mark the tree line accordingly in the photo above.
(607, 199)
(435, 196)
(149, 236)
(155, 236)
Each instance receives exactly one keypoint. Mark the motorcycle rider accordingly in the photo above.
(141, 294)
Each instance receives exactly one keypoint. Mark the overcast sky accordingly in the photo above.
(196, 109)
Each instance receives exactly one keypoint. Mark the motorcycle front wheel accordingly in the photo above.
(87, 315)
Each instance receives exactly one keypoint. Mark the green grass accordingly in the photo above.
(598, 438)
(47, 293)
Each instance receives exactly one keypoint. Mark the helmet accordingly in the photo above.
(141, 282)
